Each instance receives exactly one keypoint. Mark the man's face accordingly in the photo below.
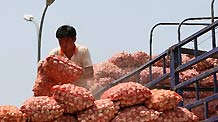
(66, 43)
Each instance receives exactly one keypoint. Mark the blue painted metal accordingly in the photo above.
(204, 102)
(212, 21)
(211, 119)
(158, 80)
(215, 83)
(201, 101)
(174, 76)
(196, 54)
(188, 19)
(195, 35)
(197, 96)
(197, 78)
(197, 60)
(169, 24)
(206, 110)
(196, 47)
(164, 65)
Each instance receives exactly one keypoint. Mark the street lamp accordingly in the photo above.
(30, 18)
(48, 3)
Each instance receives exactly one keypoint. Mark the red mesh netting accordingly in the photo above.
(43, 85)
(127, 60)
(140, 58)
(178, 114)
(73, 98)
(107, 69)
(11, 114)
(137, 114)
(156, 73)
(208, 81)
(65, 118)
(104, 110)
(61, 70)
(41, 109)
(192, 94)
(185, 58)
(127, 94)
(163, 100)
(199, 111)
(204, 65)
(122, 60)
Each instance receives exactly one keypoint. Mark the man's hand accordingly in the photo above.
(88, 72)
(39, 66)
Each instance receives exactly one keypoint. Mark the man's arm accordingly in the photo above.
(88, 72)
(39, 65)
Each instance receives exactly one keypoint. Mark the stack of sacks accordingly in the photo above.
(107, 69)
(189, 96)
(200, 68)
(55, 70)
(140, 58)
(188, 74)
(138, 103)
(185, 58)
(156, 72)
(204, 65)
(129, 96)
(166, 102)
(115, 67)
(58, 101)
(67, 100)
(178, 114)
(122, 60)
(160, 62)
(208, 81)
(10, 113)
(129, 61)
(185, 75)
(192, 94)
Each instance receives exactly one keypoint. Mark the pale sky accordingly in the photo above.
(105, 26)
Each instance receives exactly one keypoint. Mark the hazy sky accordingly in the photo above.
(105, 26)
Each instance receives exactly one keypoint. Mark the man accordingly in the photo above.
(79, 54)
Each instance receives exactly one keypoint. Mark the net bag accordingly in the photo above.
(127, 94)
(74, 98)
(104, 110)
(61, 70)
(41, 109)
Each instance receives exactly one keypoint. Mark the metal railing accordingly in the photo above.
(175, 68)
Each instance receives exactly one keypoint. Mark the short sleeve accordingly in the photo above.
(54, 51)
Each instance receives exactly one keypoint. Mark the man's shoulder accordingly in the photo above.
(81, 47)
(54, 51)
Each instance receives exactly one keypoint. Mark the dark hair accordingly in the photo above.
(66, 31)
